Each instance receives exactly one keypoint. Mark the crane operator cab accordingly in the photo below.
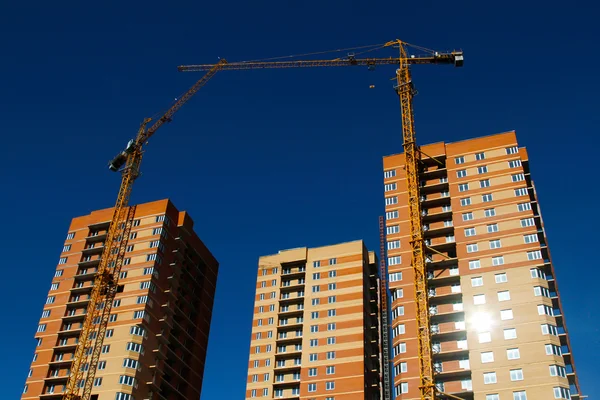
(120, 159)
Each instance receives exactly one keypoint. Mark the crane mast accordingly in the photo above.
(128, 162)
(406, 92)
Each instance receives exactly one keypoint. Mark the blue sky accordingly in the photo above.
(268, 160)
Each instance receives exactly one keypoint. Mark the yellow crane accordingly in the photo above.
(128, 162)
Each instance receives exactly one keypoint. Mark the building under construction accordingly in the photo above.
(157, 334)
(495, 316)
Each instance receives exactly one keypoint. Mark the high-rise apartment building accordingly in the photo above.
(315, 332)
(156, 340)
(498, 330)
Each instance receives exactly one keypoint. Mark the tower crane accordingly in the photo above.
(128, 161)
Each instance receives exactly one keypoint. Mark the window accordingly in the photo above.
(467, 216)
(470, 232)
(557, 370)
(331, 313)
(474, 264)
(524, 207)
(541, 291)
(312, 387)
(495, 244)
(459, 160)
(534, 255)
(54, 286)
(70, 235)
(126, 380)
(484, 183)
(527, 222)
(316, 275)
(513, 354)
(498, 260)
(485, 337)
(548, 329)
(316, 289)
(122, 274)
(465, 202)
(545, 310)
(395, 244)
(504, 295)
(102, 365)
(553, 349)
(331, 355)
(62, 260)
(41, 328)
(397, 294)
(330, 370)
(471, 248)
(514, 163)
(130, 363)
(314, 315)
(391, 200)
(329, 385)
(492, 228)
(487, 357)
(389, 187)
(397, 311)
(561, 393)
(482, 170)
(461, 173)
(123, 396)
(135, 347)
(477, 281)
(395, 277)
(331, 286)
(512, 150)
(520, 192)
(144, 285)
(137, 331)
(316, 264)
(127, 261)
(50, 299)
(394, 260)
(58, 273)
(392, 229)
(331, 326)
(133, 235)
(399, 330)
(490, 212)
(492, 397)
(66, 248)
(265, 392)
(389, 174)
(489, 377)
(391, 214)
(531, 238)
(516, 374)
(45, 313)
(510, 333)
(486, 198)
(105, 348)
(463, 187)
(399, 349)
(479, 299)
(518, 177)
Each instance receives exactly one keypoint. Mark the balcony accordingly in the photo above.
(435, 200)
(429, 173)
(94, 249)
(433, 186)
(91, 263)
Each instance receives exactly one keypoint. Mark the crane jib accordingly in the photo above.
(455, 58)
